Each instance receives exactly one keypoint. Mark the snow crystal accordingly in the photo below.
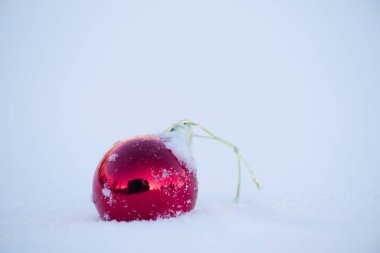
(108, 195)
(106, 216)
(113, 157)
(165, 174)
(179, 143)
(154, 175)
(106, 192)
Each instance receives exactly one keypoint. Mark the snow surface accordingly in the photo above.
(179, 142)
(294, 84)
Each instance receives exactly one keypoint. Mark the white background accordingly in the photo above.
(295, 84)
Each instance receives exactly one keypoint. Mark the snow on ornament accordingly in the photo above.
(153, 176)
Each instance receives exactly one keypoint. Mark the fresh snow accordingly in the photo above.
(113, 157)
(179, 142)
(106, 192)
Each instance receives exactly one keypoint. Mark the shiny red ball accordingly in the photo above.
(141, 179)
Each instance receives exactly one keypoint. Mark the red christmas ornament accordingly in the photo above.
(150, 177)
